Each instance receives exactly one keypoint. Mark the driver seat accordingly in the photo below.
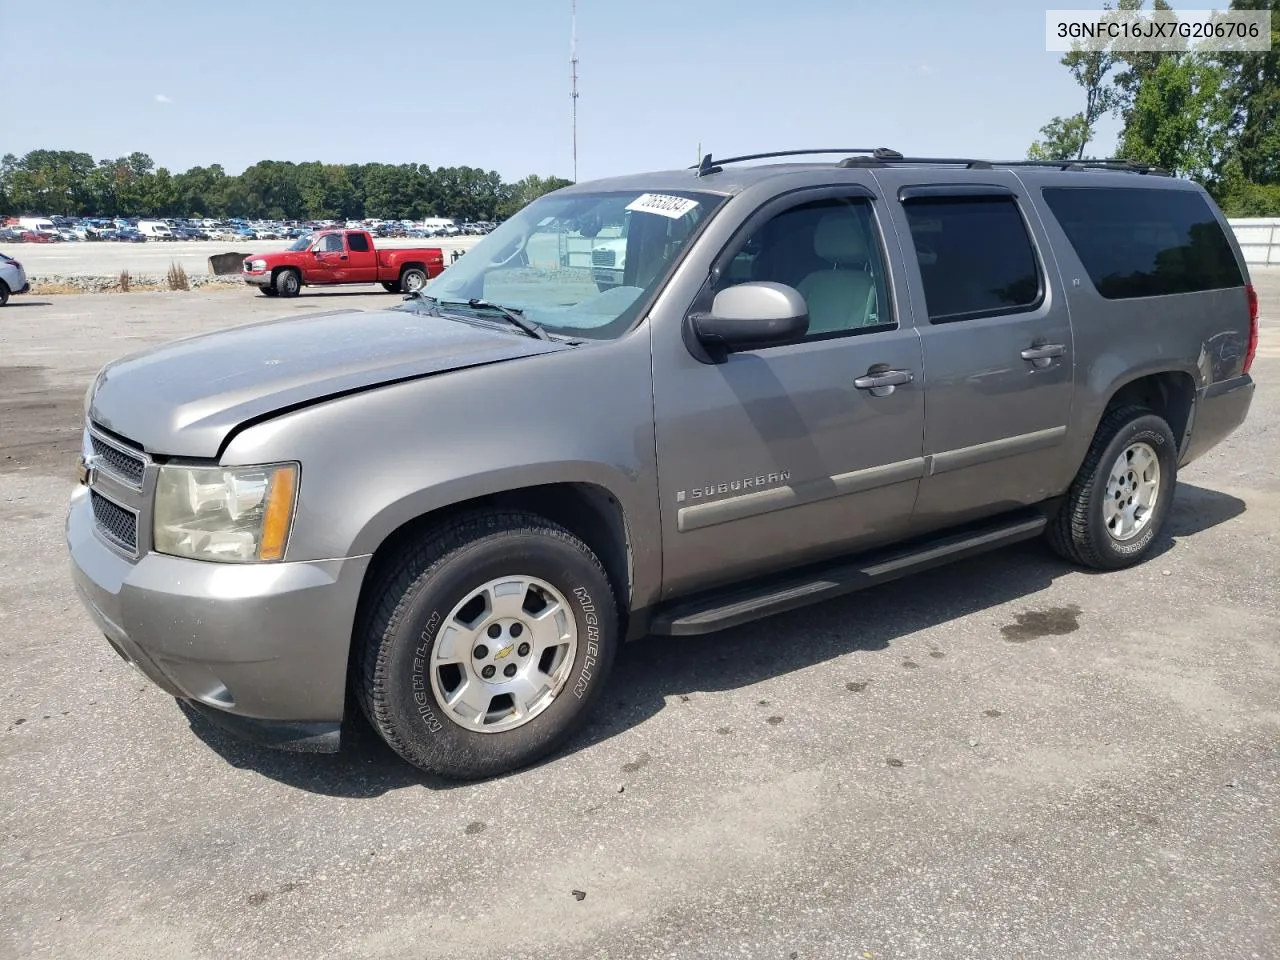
(842, 296)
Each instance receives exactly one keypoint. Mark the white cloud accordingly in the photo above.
(925, 69)
(161, 98)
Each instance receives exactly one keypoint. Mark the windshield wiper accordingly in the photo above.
(510, 313)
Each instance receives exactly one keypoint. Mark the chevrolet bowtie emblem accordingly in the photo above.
(502, 654)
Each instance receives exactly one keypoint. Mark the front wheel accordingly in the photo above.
(413, 280)
(288, 283)
(268, 290)
(4, 293)
(1120, 498)
(487, 644)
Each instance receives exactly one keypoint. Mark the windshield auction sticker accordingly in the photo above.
(661, 204)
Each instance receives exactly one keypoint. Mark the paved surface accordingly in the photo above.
(1009, 758)
(107, 259)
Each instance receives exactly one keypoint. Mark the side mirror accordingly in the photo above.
(752, 314)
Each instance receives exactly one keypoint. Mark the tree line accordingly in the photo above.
(72, 183)
(1213, 117)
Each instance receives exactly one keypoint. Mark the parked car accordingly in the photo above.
(13, 279)
(461, 506)
(341, 256)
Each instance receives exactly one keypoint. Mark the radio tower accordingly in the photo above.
(573, 89)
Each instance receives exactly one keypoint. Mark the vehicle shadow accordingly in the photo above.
(27, 303)
(650, 672)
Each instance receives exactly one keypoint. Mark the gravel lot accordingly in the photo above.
(1008, 758)
(107, 259)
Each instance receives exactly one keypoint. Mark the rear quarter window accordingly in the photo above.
(1136, 242)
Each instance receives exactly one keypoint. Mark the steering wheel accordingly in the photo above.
(516, 246)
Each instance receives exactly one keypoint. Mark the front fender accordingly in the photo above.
(376, 460)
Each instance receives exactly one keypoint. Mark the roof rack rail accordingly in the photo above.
(883, 157)
(708, 164)
(874, 161)
(1112, 163)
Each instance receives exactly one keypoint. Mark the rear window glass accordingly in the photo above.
(1138, 242)
(975, 256)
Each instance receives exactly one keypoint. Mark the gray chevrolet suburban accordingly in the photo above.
(795, 379)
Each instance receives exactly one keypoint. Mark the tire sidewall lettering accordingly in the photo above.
(591, 620)
(423, 696)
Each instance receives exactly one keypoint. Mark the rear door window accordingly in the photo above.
(358, 242)
(1136, 242)
(975, 256)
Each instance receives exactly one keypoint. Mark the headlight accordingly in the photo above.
(257, 264)
(231, 514)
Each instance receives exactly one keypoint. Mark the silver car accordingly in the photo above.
(809, 378)
(13, 279)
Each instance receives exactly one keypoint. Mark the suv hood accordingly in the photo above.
(183, 398)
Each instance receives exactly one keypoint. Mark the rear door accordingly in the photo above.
(786, 454)
(997, 342)
(362, 260)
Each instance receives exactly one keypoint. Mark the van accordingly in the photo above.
(155, 230)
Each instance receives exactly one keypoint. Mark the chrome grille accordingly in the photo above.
(603, 258)
(115, 460)
(117, 524)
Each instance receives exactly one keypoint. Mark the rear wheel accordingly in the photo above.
(413, 280)
(391, 287)
(288, 283)
(486, 645)
(1120, 498)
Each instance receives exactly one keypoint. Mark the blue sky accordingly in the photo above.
(486, 82)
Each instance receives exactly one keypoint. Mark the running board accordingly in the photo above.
(737, 605)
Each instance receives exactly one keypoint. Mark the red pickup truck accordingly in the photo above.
(330, 257)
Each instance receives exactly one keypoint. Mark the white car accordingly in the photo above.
(13, 279)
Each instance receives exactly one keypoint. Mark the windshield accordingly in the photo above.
(301, 243)
(578, 264)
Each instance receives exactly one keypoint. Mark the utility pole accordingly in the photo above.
(573, 73)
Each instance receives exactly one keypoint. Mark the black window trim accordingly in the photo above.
(779, 203)
(917, 191)
(995, 193)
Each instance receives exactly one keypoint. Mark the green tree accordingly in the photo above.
(1251, 88)
(1176, 119)
(1091, 66)
(1062, 138)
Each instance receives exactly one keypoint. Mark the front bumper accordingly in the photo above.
(260, 648)
(260, 279)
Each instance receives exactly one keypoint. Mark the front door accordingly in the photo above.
(997, 344)
(797, 452)
(329, 260)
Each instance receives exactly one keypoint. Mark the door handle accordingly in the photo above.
(881, 382)
(1041, 356)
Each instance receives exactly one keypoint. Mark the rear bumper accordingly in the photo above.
(261, 648)
(1219, 411)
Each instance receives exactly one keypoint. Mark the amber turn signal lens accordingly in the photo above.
(279, 513)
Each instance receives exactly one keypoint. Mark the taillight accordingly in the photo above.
(1253, 328)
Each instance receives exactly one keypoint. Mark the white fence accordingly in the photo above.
(1259, 240)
